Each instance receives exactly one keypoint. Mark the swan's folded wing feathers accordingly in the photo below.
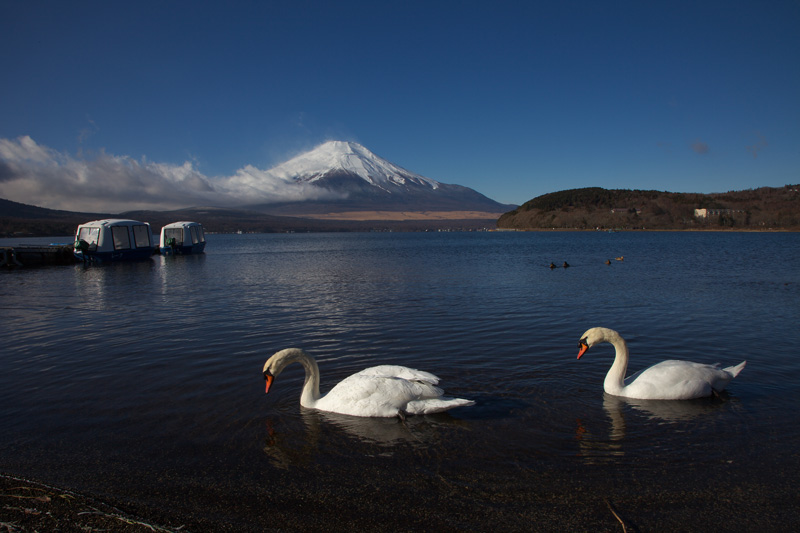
(677, 380)
(734, 370)
(354, 388)
(421, 389)
(373, 395)
(396, 371)
(436, 405)
(361, 395)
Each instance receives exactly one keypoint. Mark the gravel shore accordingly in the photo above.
(31, 506)
(27, 505)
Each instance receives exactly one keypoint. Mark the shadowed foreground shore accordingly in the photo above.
(31, 506)
(27, 505)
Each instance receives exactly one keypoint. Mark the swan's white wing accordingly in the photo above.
(395, 371)
(435, 405)
(372, 395)
(734, 370)
(677, 380)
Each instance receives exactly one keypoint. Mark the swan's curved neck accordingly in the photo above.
(615, 379)
(310, 394)
(284, 358)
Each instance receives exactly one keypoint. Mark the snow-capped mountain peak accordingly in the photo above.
(334, 157)
(339, 176)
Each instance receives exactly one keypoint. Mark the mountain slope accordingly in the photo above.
(355, 179)
(11, 209)
(335, 157)
(17, 219)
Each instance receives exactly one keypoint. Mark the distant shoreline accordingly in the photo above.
(19, 236)
(687, 230)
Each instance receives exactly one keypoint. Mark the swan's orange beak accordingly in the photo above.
(269, 378)
(583, 347)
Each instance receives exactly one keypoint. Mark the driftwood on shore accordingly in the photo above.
(26, 505)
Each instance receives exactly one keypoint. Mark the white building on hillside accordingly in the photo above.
(705, 213)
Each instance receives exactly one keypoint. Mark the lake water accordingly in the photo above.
(141, 383)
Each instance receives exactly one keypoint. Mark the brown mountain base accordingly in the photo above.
(403, 215)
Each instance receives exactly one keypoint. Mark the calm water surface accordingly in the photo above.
(142, 382)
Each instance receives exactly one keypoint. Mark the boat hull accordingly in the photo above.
(106, 257)
(198, 248)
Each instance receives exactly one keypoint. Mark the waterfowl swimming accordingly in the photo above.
(380, 391)
(667, 380)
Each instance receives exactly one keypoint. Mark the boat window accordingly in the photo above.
(122, 240)
(141, 236)
(201, 234)
(90, 235)
(174, 233)
(195, 237)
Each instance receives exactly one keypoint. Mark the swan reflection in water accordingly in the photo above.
(598, 450)
(295, 444)
(665, 410)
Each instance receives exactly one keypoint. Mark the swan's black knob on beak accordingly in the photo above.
(582, 347)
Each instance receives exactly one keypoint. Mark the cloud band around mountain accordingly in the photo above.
(35, 174)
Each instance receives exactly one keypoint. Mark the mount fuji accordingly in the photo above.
(346, 177)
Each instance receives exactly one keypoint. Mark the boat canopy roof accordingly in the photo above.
(182, 224)
(114, 222)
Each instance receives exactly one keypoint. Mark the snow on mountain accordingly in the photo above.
(336, 157)
(342, 176)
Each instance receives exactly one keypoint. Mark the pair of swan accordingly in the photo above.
(395, 391)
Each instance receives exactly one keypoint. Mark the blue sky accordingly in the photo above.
(512, 99)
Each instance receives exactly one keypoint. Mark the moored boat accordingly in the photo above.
(114, 240)
(183, 238)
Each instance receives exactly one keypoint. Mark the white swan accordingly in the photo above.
(380, 391)
(667, 380)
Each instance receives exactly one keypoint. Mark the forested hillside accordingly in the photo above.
(595, 207)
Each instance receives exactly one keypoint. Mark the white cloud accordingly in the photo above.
(26, 149)
(34, 174)
(250, 182)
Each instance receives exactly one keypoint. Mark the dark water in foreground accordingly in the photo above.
(141, 383)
